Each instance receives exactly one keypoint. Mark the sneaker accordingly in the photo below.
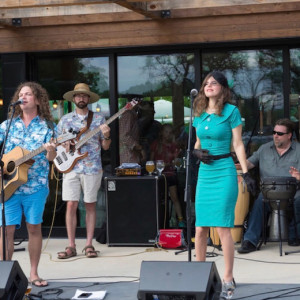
(246, 247)
(293, 242)
(227, 289)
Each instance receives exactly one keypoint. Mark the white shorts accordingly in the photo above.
(73, 183)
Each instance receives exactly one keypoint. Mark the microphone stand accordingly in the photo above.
(2, 185)
(187, 191)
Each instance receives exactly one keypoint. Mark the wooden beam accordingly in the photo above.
(47, 3)
(108, 6)
(78, 20)
(138, 7)
(177, 4)
(168, 4)
(235, 10)
(62, 11)
(149, 33)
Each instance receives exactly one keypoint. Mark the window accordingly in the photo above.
(255, 78)
(164, 83)
(295, 88)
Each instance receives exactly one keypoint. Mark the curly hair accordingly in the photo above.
(201, 101)
(42, 97)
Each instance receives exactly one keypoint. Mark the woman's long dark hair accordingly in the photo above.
(201, 101)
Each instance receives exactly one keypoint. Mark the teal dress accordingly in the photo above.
(217, 185)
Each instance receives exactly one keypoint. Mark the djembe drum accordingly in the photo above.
(278, 192)
(240, 213)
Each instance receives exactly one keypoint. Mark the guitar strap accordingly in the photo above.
(50, 126)
(89, 119)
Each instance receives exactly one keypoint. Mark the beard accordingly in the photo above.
(81, 104)
(279, 144)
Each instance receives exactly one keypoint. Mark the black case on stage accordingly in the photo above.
(135, 207)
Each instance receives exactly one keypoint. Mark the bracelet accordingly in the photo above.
(107, 138)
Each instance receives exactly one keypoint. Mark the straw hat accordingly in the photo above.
(81, 88)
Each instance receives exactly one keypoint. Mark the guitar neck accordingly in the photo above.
(29, 156)
(93, 132)
(41, 149)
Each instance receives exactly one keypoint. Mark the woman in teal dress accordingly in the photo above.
(218, 126)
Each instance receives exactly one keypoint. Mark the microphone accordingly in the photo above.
(194, 93)
(20, 101)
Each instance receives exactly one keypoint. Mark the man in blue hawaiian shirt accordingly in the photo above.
(86, 175)
(30, 129)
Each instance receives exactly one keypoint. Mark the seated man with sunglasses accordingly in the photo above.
(280, 157)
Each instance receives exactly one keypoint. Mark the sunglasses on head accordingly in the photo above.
(279, 133)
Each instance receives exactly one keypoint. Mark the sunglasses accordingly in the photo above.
(279, 133)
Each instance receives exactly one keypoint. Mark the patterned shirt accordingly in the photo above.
(91, 164)
(30, 138)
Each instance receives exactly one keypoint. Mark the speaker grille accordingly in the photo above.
(135, 209)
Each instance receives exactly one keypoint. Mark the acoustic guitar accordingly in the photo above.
(65, 161)
(17, 162)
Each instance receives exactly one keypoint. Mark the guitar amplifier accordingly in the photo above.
(136, 209)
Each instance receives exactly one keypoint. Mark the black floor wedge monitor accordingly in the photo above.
(13, 282)
(168, 280)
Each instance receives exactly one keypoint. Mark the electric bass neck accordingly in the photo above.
(65, 161)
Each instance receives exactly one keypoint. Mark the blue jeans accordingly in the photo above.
(292, 232)
(255, 220)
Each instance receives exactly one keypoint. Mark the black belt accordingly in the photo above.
(216, 157)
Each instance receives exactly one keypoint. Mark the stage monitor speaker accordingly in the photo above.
(13, 282)
(179, 280)
(135, 207)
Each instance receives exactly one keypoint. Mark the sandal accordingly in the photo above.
(39, 280)
(65, 254)
(228, 289)
(90, 253)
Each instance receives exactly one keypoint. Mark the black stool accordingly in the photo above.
(278, 192)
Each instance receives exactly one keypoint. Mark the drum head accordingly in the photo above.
(278, 188)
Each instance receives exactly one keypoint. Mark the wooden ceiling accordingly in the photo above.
(42, 13)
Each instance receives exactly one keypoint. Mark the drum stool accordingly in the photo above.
(278, 192)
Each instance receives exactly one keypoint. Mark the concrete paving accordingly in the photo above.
(263, 267)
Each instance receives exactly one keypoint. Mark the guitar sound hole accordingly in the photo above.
(10, 166)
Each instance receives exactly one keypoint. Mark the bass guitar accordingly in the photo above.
(17, 162)
(65, 161)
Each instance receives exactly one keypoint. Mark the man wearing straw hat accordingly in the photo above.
(86, 174)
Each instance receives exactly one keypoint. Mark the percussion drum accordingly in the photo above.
(240, 212)
(278, 192)
(278, 188)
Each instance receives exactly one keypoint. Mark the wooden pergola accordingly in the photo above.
(45, 25)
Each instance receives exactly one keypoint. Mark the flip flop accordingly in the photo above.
(40, 280)
(65, 254)
(90, 253)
